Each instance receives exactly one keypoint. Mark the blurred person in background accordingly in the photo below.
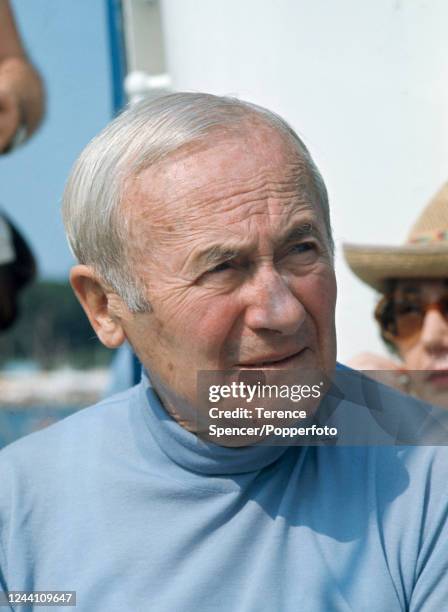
(21, 110)
(413, 309)
(17, 269)
(21, 89)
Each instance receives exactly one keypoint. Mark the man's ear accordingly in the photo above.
(101, 306)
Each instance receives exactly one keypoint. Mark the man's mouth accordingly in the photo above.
(273, 362)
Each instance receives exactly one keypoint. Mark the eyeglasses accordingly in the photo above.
(402, 318)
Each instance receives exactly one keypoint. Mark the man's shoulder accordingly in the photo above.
(76, 433)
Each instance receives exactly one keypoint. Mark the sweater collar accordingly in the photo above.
(190, 452)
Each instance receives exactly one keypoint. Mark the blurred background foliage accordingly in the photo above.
(52, 331)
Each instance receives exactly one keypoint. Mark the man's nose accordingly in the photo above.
(272, 305)
(434, 335)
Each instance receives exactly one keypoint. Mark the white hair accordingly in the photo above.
(143, 135)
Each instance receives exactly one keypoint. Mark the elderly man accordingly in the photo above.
(202, 231)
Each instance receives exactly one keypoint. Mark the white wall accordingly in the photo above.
(365, 83)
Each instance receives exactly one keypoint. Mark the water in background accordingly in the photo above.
(31, 398)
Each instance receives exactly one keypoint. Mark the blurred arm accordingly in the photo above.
(21, 90)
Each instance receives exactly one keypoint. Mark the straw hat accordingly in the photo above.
(423, 255)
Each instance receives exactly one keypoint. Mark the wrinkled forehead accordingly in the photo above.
(226, 173)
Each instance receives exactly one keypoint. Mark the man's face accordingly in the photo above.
(427, 348)
(230, 242)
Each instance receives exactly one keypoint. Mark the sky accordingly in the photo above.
(68, 42)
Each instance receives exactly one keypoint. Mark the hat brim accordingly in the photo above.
(375, 265)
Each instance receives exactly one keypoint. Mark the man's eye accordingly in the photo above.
(302, 247)
(222, 267)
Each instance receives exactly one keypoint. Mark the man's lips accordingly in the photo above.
(271, 360)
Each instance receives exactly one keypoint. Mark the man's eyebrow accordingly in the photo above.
(298, 232)
(217, 254)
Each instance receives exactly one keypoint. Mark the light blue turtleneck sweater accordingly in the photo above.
(122, 505)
